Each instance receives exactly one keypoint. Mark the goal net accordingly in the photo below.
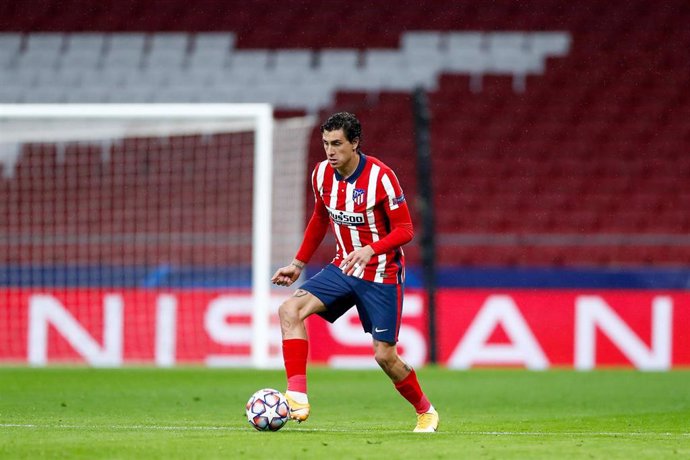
(146, 233)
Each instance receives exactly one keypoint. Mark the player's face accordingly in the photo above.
(340, 153)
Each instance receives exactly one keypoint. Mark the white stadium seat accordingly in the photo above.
(513, 61)
(11, 42)
(172, 94)
(421, 41)
(465, 60)
(168, 58)
(88, 95)
(472, 41)
(43, 59)
(10, 95)
(208, 58)
(90, 41)
(338, 59)
(45, 41)
(129, 40)
(214, 40)
(250, 60)
(134, 94)
(123, 57)
(84, 58)
(177, 41)
(290, 59)
(45, 94)
(549, 43)
(381, 60)
(181, 67)
(505, 40)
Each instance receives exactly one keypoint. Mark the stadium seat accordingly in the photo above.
(419, 42)
(11, 41)
(548, 43)
(544, 122)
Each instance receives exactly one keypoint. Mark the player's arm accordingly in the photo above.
(316, 230)
(401, 232)
(313, 235)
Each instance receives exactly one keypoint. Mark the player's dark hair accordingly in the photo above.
(346, 121)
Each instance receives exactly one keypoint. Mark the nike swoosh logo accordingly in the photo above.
(376, 329)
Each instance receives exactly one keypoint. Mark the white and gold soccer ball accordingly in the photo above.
(267, 410)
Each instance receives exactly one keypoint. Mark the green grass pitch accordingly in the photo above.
(191, 413)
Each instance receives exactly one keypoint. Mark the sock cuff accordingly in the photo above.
(297, 343)
(411, 377)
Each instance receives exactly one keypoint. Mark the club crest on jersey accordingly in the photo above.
(358, 195)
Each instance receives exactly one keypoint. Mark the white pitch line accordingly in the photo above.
(573, 433)
(335, 430)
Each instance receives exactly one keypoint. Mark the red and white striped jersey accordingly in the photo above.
(363, 210)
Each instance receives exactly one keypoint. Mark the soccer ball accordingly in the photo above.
(267, 410)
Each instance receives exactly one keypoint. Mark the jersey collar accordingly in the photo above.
(355, 175)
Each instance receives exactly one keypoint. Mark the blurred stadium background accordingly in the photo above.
(559, 139)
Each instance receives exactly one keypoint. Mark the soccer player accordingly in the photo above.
(360, 198)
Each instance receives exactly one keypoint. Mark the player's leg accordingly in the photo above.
(292, 314)
(327, 294)
(405, 380)
(293, 311)
(380, 310)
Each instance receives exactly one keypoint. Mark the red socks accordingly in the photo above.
(295, 353)
(409, 388)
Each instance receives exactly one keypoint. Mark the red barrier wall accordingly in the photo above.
(536, 329)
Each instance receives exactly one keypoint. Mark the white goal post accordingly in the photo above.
(58, 124)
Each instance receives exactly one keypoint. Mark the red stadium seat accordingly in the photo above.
(596, 145)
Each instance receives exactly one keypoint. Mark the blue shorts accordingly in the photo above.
(379, 305)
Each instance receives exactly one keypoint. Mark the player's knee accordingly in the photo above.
(386, 358)
(382, 362)
(291, 313)
(288, 310)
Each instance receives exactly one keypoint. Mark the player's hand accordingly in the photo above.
(287, 275)
(354, 263)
